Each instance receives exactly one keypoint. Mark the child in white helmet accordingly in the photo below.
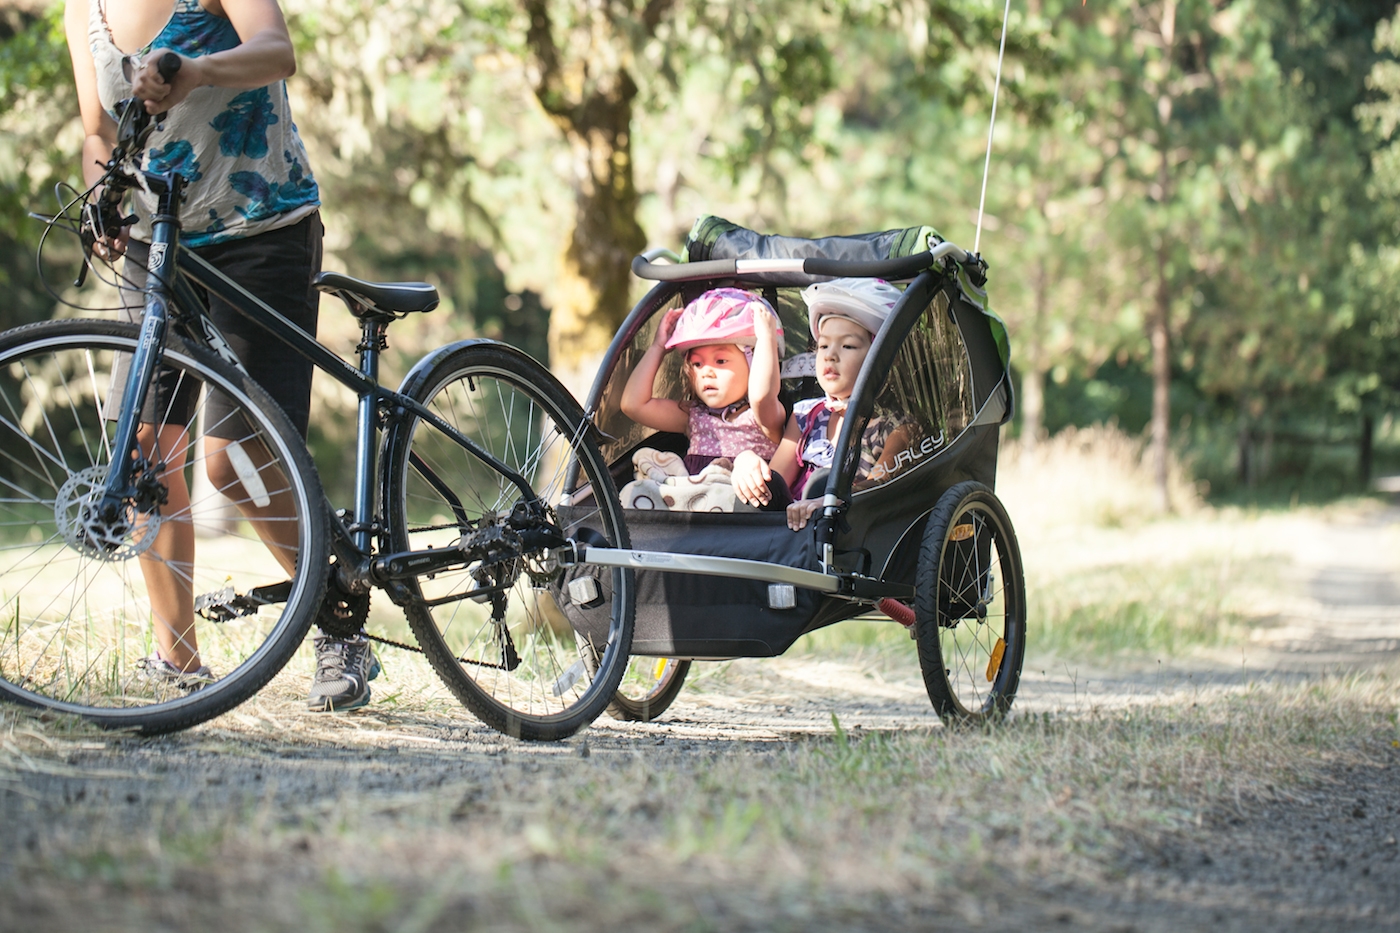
(845, 315)
(730, 341)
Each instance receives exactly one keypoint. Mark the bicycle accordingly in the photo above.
(476, 483)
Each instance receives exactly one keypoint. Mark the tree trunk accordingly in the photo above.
(589, 95)
(595, 277)
(1159, 332)
(1035, 355)
(1366, 450)
(1032, 408)
(1246, 446)
(1159, 326)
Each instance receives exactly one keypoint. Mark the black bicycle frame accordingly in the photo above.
(167, 256)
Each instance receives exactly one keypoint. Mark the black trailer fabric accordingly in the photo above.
(699, 616)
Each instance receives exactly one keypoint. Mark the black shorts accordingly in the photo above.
(276, 266)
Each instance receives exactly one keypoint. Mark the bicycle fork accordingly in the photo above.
(147, 492)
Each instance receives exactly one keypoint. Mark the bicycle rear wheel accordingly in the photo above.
(86, 601)
(494, 629)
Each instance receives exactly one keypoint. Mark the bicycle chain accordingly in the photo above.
(417, 650)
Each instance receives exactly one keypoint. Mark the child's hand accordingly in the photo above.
(800, 511)
(765, 321)
(765, 324)
(667, 328)
(750, 478)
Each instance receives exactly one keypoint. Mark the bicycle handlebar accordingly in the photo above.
(905, 267)
(101, 215)
(168, 66)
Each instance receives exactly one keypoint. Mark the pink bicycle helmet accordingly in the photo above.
(867, 302)
(721, 315)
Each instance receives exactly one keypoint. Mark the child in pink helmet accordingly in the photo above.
(845, 315)
(729, 338)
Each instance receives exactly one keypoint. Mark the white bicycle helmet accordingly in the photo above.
(867, 302)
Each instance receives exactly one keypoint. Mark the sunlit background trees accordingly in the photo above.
(1190, 215)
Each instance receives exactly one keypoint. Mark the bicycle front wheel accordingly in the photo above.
(190, 594)
(495, 629)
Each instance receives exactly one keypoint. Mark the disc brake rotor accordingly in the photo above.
(130, 534)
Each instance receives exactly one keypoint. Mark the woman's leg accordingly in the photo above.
(275, 519)
(168, 564)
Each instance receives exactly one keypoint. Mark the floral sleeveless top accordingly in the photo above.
(726, 432)
(239, 150)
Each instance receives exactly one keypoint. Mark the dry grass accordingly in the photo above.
(686, 826)
(627, 837)
(1096, 476)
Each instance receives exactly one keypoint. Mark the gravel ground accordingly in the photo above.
(1300, 858)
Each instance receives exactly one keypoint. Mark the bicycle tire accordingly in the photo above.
(970, 607)
(76, 606)
(649, 687)
(534, 676)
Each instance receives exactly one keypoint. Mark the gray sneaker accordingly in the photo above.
(344, 668)
(159, 672)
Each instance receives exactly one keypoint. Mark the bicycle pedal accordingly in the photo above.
(225, 604)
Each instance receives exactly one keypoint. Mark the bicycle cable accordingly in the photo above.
(65, 220)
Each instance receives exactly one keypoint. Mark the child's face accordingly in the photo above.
(718, 374)
(841, 348)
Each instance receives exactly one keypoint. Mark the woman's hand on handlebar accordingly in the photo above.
(112, 248)
(151, 85)
(105, 231)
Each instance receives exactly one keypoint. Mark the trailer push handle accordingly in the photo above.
(906, 267)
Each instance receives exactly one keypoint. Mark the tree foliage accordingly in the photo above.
(1197, 190)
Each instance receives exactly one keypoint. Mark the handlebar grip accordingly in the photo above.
(681, 272)
(168, 66)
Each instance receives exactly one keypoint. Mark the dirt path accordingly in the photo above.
(1285, 860)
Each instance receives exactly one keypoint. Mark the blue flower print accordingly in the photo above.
(243, 126)
(216, 224)
(177, 157)
(267, 199)
(215, 232)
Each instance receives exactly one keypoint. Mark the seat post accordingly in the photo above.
(372, 343)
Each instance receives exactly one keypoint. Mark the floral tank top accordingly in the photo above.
(238, 149)
(724, 433)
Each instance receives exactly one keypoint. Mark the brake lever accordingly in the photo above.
(89, 239)
(100, 219)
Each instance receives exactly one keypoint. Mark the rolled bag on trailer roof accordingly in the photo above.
(714, 237)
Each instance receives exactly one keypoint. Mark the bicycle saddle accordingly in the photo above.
(369, 297)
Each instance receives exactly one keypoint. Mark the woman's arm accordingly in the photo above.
(763, 375)
(663, 414)
(99, 129)
(264, 55)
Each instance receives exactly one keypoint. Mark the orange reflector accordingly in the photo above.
(660, 670)
(961, 532)
(994, 664)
